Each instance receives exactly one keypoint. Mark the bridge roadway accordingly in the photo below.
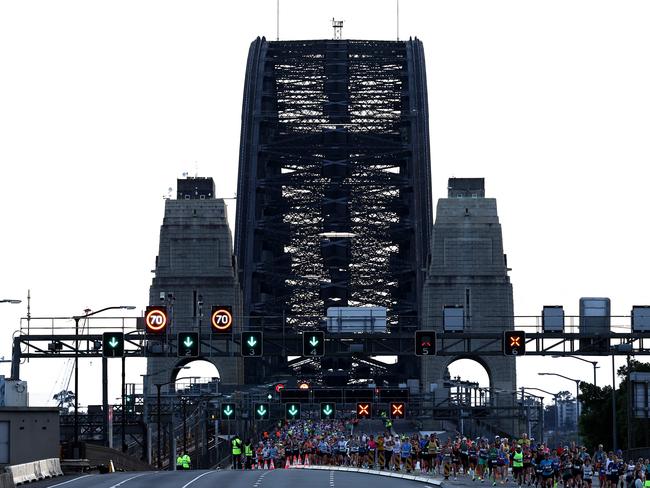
(279, 478)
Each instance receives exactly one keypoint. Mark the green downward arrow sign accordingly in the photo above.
(113, 342)
(261, 411)
(293, 411)
(313, 341)
(251, 341)
(327, 410)
(227, 411)
(188, 342)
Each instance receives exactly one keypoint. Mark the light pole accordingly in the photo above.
(10, 300)
(76, 319)
(158, 408)
(593, 363)
(577, 382)
(554, 395)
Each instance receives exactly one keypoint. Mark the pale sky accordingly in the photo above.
(103, 104)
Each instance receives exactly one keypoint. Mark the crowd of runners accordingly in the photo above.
(523, 461)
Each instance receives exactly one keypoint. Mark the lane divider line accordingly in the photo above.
(420, 478)
(128, 479)
(70, 481)
(198, 477)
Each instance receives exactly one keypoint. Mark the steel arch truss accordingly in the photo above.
(334, 197)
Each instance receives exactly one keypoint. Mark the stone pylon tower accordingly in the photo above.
(468, 268)
(195, 270)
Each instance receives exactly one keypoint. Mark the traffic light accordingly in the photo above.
(221, 319)
(156, 319)
(364, 410)
(327, 410)
(113, 344)
(188, 345)
(514, 343)
(425, 343)
(292, 411)
(397, 410)
(262, 411)
(313, 343)
(251, 344)
(228, 411)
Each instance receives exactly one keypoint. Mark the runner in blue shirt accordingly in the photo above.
(406, 452)
(546, 465)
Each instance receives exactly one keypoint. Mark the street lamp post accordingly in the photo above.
(159, 408)
(76, 319)
(593, 363)
(10, 300)
(577, 382)
(554, 395)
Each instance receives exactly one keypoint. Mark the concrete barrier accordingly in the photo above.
(6, 481)
(34, 471)
(55, 467)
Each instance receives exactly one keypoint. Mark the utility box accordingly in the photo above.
(595, 319)
(356, 319)
(13, 393)
(553, 318)
(640, 318)
(453, 318)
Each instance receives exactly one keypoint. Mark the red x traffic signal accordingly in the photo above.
(364, 410)
(514, 343)
(397, 410)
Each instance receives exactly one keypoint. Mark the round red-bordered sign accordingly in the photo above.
(155, 319)
(221, 319)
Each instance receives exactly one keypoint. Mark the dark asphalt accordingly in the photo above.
(279, 478)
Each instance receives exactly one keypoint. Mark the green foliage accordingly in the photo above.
(596, 416)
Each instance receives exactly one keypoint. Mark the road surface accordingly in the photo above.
(279, 478)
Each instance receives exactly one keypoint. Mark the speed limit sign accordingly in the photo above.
(221, 319)
(156, 319)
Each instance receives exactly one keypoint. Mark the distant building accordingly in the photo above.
(28, 434)
(566, 413)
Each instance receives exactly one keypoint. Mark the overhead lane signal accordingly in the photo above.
(292, 411)
(364, 410)
(112, 344)
(313, 344)
(228, 411)
(221, 320)
(425, 343)
(514, 343)
(156, 319)
(188, 345)
(251, 344)
(327, 411)
(262, 411)
(397, 410)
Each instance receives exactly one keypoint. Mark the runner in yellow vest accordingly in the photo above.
(186, 461)
(236, 444)
(179, 461)
(518, 466)
(248, 453)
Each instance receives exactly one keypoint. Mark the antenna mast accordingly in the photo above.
(277, 20)
(337, 25)
(397, 20)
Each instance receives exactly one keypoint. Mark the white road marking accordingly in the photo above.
(69, 481)
(128, 479)
(199, 476)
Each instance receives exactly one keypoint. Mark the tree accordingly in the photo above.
(64, 399)
(596, 417)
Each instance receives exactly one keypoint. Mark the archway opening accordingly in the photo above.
(198, 371)
(469, 382)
